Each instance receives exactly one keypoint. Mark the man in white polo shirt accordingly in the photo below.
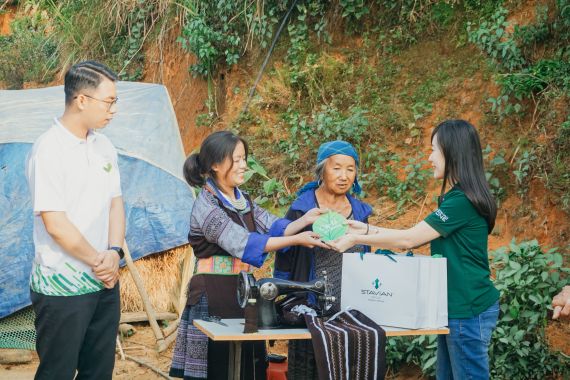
(79, 227)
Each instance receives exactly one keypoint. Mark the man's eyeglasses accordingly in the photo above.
(111, 103)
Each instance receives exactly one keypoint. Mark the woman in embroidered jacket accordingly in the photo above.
(228, 233)
(336, 176)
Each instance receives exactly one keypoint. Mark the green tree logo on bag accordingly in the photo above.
(376, 294)
(376, 283)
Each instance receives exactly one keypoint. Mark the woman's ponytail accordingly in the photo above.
(192, 171)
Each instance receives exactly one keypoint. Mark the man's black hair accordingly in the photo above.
(85, 75)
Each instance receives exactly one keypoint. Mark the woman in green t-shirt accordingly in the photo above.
(457, 230)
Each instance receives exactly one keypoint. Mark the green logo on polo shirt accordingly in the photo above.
(108, 167)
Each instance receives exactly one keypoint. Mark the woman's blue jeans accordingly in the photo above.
(463, 354)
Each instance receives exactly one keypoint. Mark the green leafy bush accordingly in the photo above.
(546, 75)
(382, 169)
(213, 34)
(28, 54)
(527, 278)
(492, 37)
(378, 169)
(524, 167)
(354, 11)
(405, 350)
(306, 133)
(525, 75)
(220, 32)
(560, 164)
(494, 168)
(413, 185)
(267, 190)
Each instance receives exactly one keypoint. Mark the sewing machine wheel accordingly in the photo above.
(269, 291)
(244, 288)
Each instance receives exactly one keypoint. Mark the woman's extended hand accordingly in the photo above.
(343, 243)
(312, 215)
(311, 239)
(357, 228)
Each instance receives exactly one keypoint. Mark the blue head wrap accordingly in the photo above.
(330, 149)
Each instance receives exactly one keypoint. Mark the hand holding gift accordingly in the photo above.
(330, 226)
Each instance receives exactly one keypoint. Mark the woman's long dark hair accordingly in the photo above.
(461, 148)
(215, 149)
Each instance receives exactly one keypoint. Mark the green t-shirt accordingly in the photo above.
(463, 242)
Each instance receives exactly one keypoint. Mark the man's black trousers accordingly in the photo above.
(77, 333)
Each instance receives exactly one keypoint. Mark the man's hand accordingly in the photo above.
(111, 284)
(107, 269)
(561, 303)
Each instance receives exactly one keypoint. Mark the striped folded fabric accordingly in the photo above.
(348, 346)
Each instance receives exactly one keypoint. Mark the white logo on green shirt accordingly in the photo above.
(441, 215)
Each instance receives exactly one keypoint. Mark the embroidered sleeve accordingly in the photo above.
(211, 222)
(265, 222)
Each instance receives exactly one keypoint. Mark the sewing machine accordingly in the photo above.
(262, 295)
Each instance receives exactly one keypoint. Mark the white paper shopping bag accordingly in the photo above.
(396, 290)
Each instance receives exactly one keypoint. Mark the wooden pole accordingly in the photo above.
(141, 316)
(120, 346)
(15, 356)
(146, 301)
(171, 328)
(188, 263)
(143, 363)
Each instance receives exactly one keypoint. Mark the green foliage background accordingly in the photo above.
(376, 96)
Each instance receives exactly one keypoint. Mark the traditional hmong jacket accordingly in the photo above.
(218, 229)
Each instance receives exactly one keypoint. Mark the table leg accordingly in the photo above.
(231, 362)
(234, 369)
(237, 363)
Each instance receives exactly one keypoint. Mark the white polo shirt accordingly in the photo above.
(80, 178)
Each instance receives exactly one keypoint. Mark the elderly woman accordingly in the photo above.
(336, 177)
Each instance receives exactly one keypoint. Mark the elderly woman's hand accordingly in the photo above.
(561, 303)
(357, 228)
(343, 243)
(312, 215)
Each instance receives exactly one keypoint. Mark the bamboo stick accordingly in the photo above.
(143, 363)
(171, 328)
(144, 296)
(121, 352)
(131, 317)
(188, 264)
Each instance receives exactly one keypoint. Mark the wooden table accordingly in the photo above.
(233, 333)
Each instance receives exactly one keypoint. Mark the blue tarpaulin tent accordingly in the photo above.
(157, 199)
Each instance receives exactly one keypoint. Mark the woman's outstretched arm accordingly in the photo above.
(416, 236)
